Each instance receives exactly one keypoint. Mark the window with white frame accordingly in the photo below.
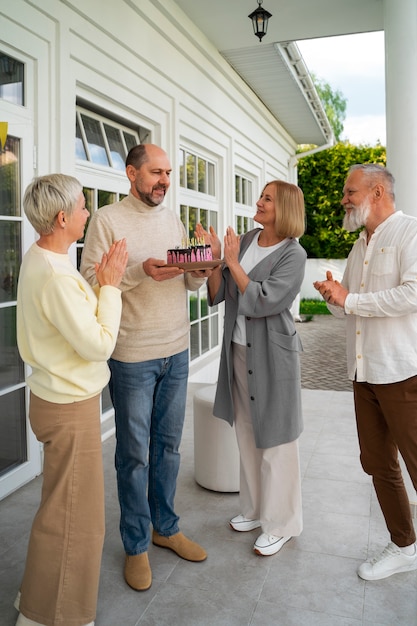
(197, 173)
(12, 80)
(197, 176)
(244, 204)
(104, 142)
(101, 147)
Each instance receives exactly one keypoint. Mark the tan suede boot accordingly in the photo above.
(138, 574)
(185, 548)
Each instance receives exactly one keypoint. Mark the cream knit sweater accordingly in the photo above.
(64, 332)
(155, 320)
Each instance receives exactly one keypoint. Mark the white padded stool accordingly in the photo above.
(216, 454)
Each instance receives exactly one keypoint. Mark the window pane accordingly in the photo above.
(10, 258)
(192, 221)
(244, 191)
(213, 220)
(89, 199)
(117, 151)
(214, 323)
(203, 300)
(191, 171)
(11, 365)
(249, 192)
(193, 307)
(11, 80)
(80, 152)
(12, 430)
(181, 159)
(89, 204)
(9, 178)
(194, 341)
(202, 175)
(204, 218)
(184, 215)
(237, 188)
(130, 140)
(95, 140)
(205, 339)
(105, 197)
(211, 181)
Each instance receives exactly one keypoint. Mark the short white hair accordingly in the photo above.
(46, 196)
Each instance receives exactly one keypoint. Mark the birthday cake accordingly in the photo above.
(191, 251)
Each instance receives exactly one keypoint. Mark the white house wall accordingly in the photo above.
(146, 63)
(139, 60)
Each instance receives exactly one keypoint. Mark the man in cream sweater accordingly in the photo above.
(149, 366)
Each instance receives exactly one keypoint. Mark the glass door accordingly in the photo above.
(20, 453)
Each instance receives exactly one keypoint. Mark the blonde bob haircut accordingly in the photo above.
(46, 196)
(289, 209)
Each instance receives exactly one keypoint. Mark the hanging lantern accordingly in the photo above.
(260, 19)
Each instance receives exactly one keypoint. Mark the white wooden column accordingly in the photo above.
(400, 25)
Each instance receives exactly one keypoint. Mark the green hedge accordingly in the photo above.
(313, 307)
(322, 176)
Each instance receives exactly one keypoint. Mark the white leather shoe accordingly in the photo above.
(243, 524)
(391, 560)
(269, 544)
(25, 621)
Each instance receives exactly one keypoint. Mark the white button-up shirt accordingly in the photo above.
(381, 308)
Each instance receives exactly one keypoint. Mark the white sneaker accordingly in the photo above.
(391, 560)
(25, 621)
(269, 544)
(16, 603)
(243, 524)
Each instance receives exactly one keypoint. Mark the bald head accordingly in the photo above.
(148, 169)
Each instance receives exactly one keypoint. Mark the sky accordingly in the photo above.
(353, 65)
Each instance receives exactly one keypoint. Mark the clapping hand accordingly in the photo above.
(113, 264)
(331, 290)
(211, 239)
(231, 247)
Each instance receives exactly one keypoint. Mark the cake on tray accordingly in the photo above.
(191, 251)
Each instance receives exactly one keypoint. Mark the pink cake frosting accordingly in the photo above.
(194, 252)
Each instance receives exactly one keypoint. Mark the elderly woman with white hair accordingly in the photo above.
(66, 332)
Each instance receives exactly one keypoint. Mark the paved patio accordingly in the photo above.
(312, 581)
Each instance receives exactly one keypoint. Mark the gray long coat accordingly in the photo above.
(273, 346)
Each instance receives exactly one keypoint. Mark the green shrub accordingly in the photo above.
(321, 176)
(313, 307)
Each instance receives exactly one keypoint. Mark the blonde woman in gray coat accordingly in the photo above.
(259, 384)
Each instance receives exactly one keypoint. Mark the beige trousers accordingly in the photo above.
(60, 582)
(270, 482)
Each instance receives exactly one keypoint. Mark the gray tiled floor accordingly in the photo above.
(311, 581)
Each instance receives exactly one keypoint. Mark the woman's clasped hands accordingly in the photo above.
(113, 264)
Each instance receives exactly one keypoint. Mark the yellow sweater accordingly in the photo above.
(155, 320)
(65, 333)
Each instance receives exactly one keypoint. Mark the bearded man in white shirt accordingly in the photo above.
(378, 296)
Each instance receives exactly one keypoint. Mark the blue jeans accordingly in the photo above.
(149, 402)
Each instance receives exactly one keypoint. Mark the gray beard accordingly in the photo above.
(357, 218)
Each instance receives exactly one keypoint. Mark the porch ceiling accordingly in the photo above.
(275, 69)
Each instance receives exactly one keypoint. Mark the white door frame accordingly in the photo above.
(20, 125)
